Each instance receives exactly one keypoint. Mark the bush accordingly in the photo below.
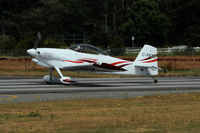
(51, 43)
(117, 47)
(26, 43)
(7, 42)
(34, 114)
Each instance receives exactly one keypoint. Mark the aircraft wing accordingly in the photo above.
(105, 66)
(93, 65)
(109, 67)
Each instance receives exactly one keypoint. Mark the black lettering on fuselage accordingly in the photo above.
(146, 55)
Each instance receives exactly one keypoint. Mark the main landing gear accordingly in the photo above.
(155, 80)
(54, 80)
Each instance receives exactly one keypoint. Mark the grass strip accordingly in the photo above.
(178, 113)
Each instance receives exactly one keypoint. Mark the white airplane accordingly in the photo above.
(87, 58)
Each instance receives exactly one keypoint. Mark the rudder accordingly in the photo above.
(147, 61)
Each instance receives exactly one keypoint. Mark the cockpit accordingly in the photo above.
(87, 48)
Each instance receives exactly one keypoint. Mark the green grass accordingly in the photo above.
(183, 72)
(178, 113)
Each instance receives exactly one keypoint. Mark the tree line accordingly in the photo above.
(104, 23)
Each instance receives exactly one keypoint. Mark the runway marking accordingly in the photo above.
(8, 97)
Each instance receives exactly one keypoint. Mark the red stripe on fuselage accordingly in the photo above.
(150, 61)
(115, 63)
(124, 65)
(148, 58)
(89, 59)
(73, 61)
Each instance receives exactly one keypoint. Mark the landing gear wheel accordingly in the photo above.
(155, 81)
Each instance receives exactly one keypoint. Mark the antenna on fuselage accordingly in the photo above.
(37, 40)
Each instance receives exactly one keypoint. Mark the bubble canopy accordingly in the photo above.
(87, 48)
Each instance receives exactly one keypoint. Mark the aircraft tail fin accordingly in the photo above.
(147, 58)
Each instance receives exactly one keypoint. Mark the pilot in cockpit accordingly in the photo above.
(78, 49)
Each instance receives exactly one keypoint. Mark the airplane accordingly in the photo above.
(88, 58)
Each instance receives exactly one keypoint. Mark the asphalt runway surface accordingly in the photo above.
(23, 89)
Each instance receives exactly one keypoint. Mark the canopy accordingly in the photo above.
(86, 48)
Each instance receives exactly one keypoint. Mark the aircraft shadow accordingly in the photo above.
(90, 85)
(110, 84)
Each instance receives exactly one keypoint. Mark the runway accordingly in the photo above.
(23, 89)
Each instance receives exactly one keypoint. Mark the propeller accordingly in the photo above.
(37, 40)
